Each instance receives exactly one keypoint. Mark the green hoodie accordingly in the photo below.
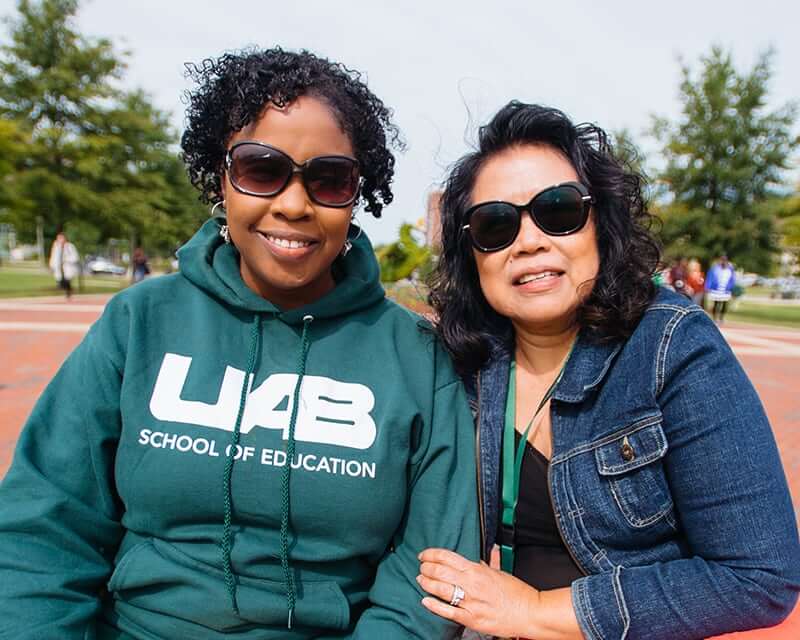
(122, 512)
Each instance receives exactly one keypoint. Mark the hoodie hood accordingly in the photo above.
(213, 265)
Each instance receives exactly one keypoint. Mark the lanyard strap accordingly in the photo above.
(512, 465)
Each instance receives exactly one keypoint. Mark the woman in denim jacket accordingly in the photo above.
(650, 501)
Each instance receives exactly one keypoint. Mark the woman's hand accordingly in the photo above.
(494, 602)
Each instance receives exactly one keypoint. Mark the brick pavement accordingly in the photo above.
(37, 334)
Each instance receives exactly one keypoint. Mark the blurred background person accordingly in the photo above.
(64, 262)
(719, 287)
(678, 277)
(141, 269)
(695, 280)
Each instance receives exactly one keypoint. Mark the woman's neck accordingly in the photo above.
(543, 353)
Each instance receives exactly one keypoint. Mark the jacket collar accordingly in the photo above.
(587, 366)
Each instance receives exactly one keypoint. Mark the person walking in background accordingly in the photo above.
(140, 267)
(678, 276)
(719, 286)
(64, 262)
(695, 280)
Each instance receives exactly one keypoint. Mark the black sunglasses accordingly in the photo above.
(258, 169)
(558, 211)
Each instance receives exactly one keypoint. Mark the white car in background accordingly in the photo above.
(104, 265)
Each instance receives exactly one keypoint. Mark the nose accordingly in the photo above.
(530, 239)
(293, 202)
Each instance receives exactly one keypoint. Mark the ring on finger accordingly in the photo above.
(458, 596)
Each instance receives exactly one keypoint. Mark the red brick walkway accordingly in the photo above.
(36, 335)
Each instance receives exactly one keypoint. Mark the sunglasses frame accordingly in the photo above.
(586, 198)
(296, 168)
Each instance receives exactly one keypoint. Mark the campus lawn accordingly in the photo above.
(26, 282)
(777, 314)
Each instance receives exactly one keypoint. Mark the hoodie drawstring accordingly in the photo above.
(230, 581)
(288, 576)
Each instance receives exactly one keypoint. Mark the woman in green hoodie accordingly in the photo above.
(260, 445)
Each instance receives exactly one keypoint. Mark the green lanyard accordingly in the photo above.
(512, 465)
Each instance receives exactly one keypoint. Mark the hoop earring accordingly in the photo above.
(348, 244)
(224, 232)
(219, 203)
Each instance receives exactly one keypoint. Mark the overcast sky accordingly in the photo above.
(445, 65)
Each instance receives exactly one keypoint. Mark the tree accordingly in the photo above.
(402, 258)
(95, 156)
(53, 84)
(12, 146)
(725, 156)
(785, 209)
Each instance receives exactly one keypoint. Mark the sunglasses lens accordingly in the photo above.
(494, 225)
(560, 210)
(259, 170)
(332, 181)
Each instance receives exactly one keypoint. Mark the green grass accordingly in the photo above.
(759, 291)
(27, 282)
(777, 314)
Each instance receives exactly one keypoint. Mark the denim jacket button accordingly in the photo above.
(627, 451)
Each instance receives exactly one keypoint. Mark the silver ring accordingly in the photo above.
(458, 596)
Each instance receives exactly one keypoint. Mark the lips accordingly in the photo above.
(531, 277)
(537, 275)
(288, 245)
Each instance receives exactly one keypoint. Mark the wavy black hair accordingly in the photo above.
(629, 254)
(233, 90)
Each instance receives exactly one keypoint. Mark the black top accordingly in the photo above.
(540, 557)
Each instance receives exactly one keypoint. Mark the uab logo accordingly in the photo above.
(330, 412)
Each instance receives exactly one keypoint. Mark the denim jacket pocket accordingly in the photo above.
(632, 465)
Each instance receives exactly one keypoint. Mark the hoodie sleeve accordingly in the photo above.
(441, 512)
(59, 513)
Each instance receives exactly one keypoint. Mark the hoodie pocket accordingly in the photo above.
(632, 466)
(156, 576)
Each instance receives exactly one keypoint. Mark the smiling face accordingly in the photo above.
(287, 242)
(539, 281)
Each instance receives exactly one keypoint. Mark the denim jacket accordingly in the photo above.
(689, 530)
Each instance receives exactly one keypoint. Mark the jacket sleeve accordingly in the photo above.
(441, 511)
(742, 564)
(59, 513)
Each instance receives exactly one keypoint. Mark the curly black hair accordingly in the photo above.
(233, 90)
(629, 254)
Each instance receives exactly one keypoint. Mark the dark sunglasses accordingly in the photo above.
(257, 169)
(558, 211)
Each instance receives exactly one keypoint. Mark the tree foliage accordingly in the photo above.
(402, 258)
(785, 210)
(83, 151)
(724, 158)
